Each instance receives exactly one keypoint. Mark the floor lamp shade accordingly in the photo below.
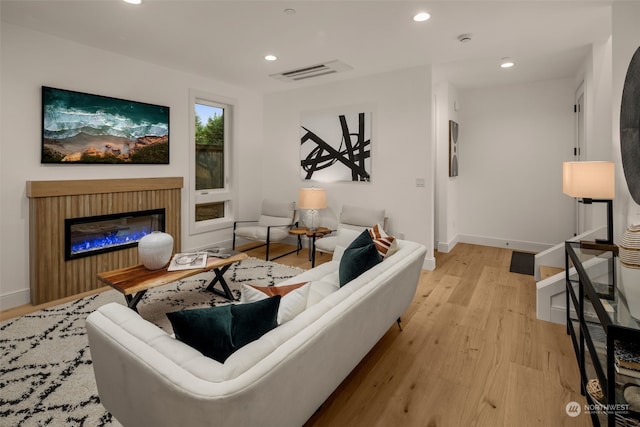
(593, 182)
(589, 180)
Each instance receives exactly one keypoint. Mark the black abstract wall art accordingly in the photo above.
(630, 127)
(335, 147)
(453, 148)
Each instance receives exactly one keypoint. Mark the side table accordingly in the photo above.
(312, 235)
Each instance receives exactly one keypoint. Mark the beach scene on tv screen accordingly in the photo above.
(84, 128)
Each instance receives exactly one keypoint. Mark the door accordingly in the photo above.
(579, 153)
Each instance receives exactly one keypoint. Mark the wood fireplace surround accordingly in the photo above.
(51, 202)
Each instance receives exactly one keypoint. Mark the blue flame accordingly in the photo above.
(108, 241)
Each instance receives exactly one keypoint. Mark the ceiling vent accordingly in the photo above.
(312, 71)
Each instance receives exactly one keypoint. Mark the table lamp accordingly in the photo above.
(312, 199)
(593, 182)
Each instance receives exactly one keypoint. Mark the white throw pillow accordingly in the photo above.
(292, 304)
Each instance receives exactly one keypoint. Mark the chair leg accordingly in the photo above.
(399, 322)
(233, 246)
(266, 257)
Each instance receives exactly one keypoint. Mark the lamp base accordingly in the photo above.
(309, 219)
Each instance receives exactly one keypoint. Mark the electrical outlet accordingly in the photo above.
(400, 235)
(419, 182)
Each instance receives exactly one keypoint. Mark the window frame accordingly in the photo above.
(226, 194)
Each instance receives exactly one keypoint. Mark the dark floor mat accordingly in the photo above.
(522, 262)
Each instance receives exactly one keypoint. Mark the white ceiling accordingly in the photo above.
(227, 40)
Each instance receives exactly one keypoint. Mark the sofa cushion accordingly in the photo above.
(217, 332)
(385, 244)
(293, 302)
(358, 257)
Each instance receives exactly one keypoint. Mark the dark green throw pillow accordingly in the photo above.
(359, 256)
(217, 332)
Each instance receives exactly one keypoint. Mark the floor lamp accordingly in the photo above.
(593, 182)
(312, 199)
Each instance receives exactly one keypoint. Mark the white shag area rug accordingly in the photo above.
(46, 377)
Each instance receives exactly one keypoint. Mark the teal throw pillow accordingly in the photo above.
(217, 332)
(359, 256)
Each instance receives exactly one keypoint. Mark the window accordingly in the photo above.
(211, 195)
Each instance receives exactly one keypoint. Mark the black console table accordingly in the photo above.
(599, 321)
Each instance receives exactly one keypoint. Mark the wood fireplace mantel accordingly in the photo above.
(51, 202)
(99, 186)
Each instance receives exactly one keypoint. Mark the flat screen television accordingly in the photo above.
(84, 128)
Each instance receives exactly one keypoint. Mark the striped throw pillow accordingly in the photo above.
(385, 244)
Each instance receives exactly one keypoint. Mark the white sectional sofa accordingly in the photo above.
(145, 377)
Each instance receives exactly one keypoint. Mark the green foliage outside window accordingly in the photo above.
(209, 148)
(212, 133)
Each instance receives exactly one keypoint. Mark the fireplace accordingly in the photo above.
(52, 273)
(94, 235)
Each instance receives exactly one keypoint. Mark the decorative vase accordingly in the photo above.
(629, 255)
(155, 249)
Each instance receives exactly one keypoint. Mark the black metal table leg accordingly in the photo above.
(226, 292)
(133, 300)
(313, 250)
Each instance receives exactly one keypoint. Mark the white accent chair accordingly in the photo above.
(276, 218)
(354, 218)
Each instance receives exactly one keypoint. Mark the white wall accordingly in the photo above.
(447, 213)
(626, 39)
(513, 140)
(31, 59)
(401, 148)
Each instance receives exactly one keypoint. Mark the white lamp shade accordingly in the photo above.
(589, 180)
(312, 198)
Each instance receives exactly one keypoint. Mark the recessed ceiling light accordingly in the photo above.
(270, 57)
(421, 17)
(506, 63)
(290, 11)
(133, 1)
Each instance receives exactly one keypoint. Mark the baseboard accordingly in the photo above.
(429, 263)
(517, 245)
(15, 299)
(446, 247)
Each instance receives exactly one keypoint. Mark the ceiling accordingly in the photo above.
(227, 40)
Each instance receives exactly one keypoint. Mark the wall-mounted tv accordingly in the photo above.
(84, 128)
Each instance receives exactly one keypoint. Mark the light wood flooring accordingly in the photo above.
(472, 353)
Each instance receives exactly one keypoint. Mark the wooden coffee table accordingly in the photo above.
(134, 282)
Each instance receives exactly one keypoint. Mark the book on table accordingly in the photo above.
(188, 261)
(627, 358)
(219, 252)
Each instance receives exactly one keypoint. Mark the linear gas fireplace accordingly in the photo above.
(51, 276)
(105, 233)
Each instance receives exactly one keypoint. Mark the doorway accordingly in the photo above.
(579, 154)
